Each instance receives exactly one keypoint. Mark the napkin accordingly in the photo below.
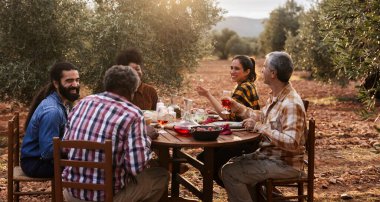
(226, 130)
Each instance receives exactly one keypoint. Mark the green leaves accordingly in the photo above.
(35, 34)
(172, 36)
(228, 43)
(282, 23)
(339, 41)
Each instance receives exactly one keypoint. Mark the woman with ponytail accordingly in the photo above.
(243, 73)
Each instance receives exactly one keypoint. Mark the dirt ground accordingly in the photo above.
(347, 147)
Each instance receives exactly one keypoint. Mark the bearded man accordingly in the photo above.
(47, 118)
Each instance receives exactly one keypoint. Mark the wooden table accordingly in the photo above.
(170, 139)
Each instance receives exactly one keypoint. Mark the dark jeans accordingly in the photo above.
(224, 154)
(36, 167)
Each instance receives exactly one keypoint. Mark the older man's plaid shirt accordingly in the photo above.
(100, 117)
(283, 122)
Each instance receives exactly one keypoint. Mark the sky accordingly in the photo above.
(256, 9)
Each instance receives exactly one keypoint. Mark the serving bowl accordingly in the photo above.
(205, 133)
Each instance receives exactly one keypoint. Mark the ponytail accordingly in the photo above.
(247, 63)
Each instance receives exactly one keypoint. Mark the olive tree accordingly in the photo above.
(172, 35)
(339, 41)
(228, 43)
(33, 36)
(351, 28)
(308, 50)
(281, 21)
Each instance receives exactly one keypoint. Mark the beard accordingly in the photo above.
(65, 92)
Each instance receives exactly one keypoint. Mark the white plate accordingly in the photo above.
(232, 124)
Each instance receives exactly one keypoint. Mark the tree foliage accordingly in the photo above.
(33, 35)
(282, 21)
(339, 41)
(308, 50)
(228, 43)
(354, 36)
(171, 34)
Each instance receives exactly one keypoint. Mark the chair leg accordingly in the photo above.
(10, 190)
(269, 190)
(260, 192)
(17, 189)
(300, 191)
(310, 191)
(52, 190)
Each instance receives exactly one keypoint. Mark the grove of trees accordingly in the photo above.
(339, 41)
(228, 43)
(34, 34)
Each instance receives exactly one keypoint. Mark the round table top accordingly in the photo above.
(170, 138)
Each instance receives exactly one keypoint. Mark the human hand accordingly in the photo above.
(202, 91)
(152, 132)
(210, 111)
(249, 124)
(235, 106)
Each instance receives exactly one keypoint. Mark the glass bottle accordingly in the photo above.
(175, 106)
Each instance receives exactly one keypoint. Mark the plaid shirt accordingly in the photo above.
(245, 94)
(283, 122)
(100, 117)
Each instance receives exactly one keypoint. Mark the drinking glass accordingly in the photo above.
(226, 103)
(162, 117)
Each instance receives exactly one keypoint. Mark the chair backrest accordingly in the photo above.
(310, 147)
(306, 104)
(13, 150)
(107, 187)
(13, 144)
(14, 141)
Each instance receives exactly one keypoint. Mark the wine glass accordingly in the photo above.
(162, 118)
(226, 103)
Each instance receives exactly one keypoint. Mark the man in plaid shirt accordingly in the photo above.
(111, 115)
(282, 122)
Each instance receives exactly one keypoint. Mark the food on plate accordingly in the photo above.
(205, 129)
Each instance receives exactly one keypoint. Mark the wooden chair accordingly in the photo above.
(15, 174)
(308, 178)
(107, 187)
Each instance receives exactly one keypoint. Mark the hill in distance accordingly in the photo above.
(245, 27)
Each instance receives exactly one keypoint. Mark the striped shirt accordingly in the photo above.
(100, 117)
(283, 122)
(245, 94)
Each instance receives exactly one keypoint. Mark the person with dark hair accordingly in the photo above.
(111, 116)
(46, 119)
(282, 123)
(146, 96)
(243, 73)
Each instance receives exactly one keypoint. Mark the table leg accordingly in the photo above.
(175, 171)
(208, 174)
